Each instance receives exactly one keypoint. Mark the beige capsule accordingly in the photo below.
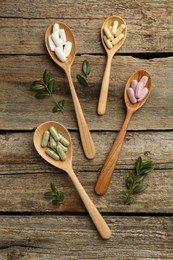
(108, 33)
(107, 42)
(118, 39)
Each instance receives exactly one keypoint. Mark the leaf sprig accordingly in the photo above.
(86, 71)
(135, 179)
(58, 197)
(45, 87)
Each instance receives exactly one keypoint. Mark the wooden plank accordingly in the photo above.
(25, 176)
(28, 33)
(67, 237)
(20, 110)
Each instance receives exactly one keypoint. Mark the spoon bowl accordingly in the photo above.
(86, 139)
(66, 165)
(110, 53)
(106, 173)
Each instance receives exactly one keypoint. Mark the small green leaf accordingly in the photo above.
(37, 87)
(49, 194)
(61, 103)
(124, 194)
(61, 196)
(86, 67)
(82, 81)
(41, 95)
(129, 200)
(53, 187)
(46, 77)
(56, 202)
(139, 188)
(51, 86)
(138, 165)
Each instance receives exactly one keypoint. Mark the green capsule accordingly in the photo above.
(54, 133)
(52, 143)
(61, 152)
(63, 147)
(63, 140)
(45, 138)
(52, 154)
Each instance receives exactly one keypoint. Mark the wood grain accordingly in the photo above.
(19, 110)
(66, 237)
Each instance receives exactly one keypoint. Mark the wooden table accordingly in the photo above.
(30, 226)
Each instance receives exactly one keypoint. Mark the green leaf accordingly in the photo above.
(46, 77)
(86, 67)
(129, 200)
(59, 107)
(82, 81)
(55, 110)
(56, 202)
(37, 87)
(139, 188)
(41, 95)
(138, 165)
(49, 194)
(124, 194)
(61, 103)
(51, 86)
(61, 196)
(130, 181)
(53, 188)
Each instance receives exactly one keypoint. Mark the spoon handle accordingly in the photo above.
(95, 215)
(106, 173)
(104, 87)
(86, 139)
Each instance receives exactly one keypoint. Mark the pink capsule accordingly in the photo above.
(131, 95)
(138, 90)
(143, 94)
(134, 84)
(144, 80)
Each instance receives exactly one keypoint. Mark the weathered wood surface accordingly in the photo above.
(25, 176)
(149, 24)
(67, 237)
(20, 110)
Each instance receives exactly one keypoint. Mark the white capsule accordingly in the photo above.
(139, 89)
(107, 42)
(143, 94)
(144, 80)
(51, 43)
(120, 29)
(133, 84)
(56, 28)
(114, 27)
(56, 39)
(110, 28)
(67, 48)
(131, 95)
(60, 54)
(62, 36)
(108, 33)
(117, 39)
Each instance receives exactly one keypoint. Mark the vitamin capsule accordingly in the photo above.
(138, 90)
(54, 133)
(61, 152)
(60, 54)
(117, 39)
(56, 28)
(51, 43)
(108, 33)
(131, 95)
(63, 147)
(45, 138)
(62, 36)
(143, 94)
(56, 39)
(52, 143)
(114, 27)
(144, 80)
(107, 42)
(52, 154)
(63, 140)
(134, 84)
(120, 29)
(67, 48)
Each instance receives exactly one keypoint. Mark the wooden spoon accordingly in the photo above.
(66, 165)
(86, 139)
(112, 158)
(110, 53)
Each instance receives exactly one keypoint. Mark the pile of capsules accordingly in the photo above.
(55, 144)
(58, 43)
(138, 90)
(113, 34)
